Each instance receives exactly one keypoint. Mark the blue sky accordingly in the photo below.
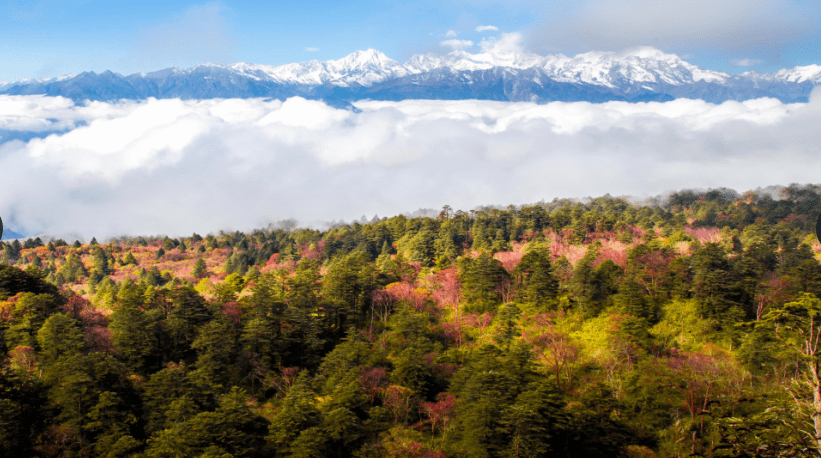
(49, 38)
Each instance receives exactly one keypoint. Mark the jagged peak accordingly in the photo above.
(358, 59)
(800, 73)
(369, 53)
(629, 68)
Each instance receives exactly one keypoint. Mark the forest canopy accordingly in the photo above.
(595, 328)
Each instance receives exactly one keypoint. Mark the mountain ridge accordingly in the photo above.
(636, 75)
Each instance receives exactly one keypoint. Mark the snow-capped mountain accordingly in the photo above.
(641, 74)
(362, 68)
(808, 73)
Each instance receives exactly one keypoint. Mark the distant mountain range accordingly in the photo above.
(639, 75)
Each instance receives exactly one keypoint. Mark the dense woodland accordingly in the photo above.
(562, 329)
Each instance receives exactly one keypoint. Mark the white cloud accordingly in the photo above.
(456, 44)
(736, 25)
(37, 114)
(745, 62)
(175, 167)
(451, 33)
(509, 43)
(485, 28)
(312, 49)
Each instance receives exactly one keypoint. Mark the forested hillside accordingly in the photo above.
(563, 329)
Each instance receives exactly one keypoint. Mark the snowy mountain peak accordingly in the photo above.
(500, 71)
(363, 68)
(460, 60)
(364, 62)
(369, 57)
(799, 74)
(640, 65)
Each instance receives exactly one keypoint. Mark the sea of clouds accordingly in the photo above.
(178, 166)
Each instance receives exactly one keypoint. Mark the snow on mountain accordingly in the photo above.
(363, 68)
(366, 68)
(495, 73)
(808, 73)
(460, 60)
(635, 67)
(38, 80)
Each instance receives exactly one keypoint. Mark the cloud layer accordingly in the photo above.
(762, 26)
(175, 167)
(746, 62)
(456, 44)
